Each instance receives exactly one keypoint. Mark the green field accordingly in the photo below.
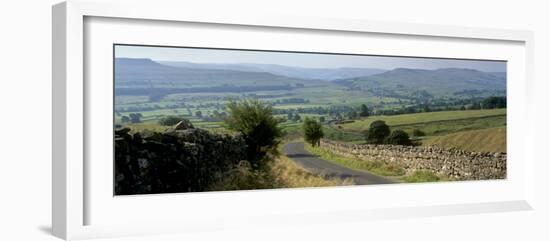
(187, 104)
(326, 96)
(426, 118)
(473, 130)
(485, 140)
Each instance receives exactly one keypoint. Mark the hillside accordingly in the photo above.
(486, 140)
(403, 83)
(427, 117)
(327, 74)
(145, 73)
(433, 124)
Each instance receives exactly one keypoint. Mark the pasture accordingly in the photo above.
(472, 130)
(427, 118)
(203, 110)
(485, 140)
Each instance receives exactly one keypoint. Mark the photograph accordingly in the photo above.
(197, 119)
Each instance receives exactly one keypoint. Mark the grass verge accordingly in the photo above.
(421, 176)
(290, 174)
(377, 167)
(281, 172)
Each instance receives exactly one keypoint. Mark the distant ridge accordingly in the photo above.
(146, 73)
(327, 74)
(445, 81)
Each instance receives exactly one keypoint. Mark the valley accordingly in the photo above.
(457, 111)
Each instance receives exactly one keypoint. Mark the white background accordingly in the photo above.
(25, 101)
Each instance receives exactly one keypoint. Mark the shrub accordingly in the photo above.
(377, 132)
(398, 137)
(417, 133)
(135, 117)
(254, 120)
(364, 111)
(313, 131)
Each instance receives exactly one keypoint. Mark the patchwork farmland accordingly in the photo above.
(451, 110)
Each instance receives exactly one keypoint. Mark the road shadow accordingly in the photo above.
(301, 155)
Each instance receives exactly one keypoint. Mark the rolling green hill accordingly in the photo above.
(433, 124)
(145, 73)
(416, 83)
(427, 117)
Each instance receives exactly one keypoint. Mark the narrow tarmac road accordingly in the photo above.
(316, 165)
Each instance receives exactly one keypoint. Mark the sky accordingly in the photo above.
(307, 60)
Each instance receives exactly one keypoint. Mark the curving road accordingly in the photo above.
(316, 165)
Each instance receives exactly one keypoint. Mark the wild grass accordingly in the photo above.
(377, 167)
(281, 172)
(486, 140)
(290, 174)
(421, 176)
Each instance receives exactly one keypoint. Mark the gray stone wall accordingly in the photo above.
(181, 160)
(452, 163)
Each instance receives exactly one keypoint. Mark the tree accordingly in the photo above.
(338, 116)
(254, 120)
(313, 131)
(135, 117)
(494, 102)
(289, 116)
(322, 119)
(125, 119)
(297, 117)
(417, 133)
(377, 132)
(364, 112)
(398, 137)
(352, 115)
(198, 114)
(426, 108)
(475, 106)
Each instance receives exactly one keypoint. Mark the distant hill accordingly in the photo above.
(145, 73)
(448, 81)
(327, 74)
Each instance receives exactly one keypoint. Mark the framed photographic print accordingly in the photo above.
(206, 122)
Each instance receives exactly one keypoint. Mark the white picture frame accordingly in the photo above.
(72, 191)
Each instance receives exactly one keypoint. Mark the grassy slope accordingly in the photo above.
(408, 119)
(431, 123)
(488, 140)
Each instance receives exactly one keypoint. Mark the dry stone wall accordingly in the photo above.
(182, 160)
(453, 163)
